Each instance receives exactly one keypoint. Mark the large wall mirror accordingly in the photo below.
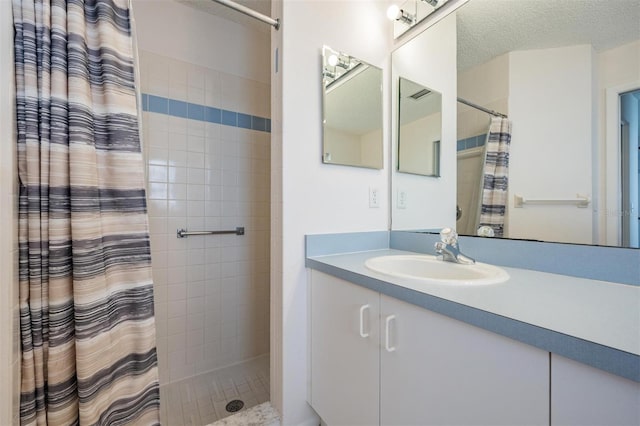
(419, 129)
(352, 111)
(567, 75)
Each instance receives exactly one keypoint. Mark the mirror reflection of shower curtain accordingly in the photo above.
(496, 176)
(469, 171)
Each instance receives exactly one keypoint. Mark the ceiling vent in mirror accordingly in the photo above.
(420, 94)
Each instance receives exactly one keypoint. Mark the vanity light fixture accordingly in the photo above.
(394, 13)
(328, 76)
(339, 61)
(336, 65)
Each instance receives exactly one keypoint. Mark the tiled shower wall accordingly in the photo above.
(206, 137)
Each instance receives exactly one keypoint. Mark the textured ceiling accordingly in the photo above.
(209, 6)
(488, 28)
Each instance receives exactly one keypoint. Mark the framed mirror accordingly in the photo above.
(419, 128)
(352, 111)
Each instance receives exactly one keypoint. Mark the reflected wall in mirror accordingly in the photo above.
(420, 128)
(558, 69)
(429, 61)
(352, 111)
(553, 84)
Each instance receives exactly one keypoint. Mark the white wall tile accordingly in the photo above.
(197, 176)
(195, 223)
(196, 127)
(157, 139)
(177, 191)
(157, 173)
(196, 144)
(207, 176)
(196, 95)
(177, 174)
(177, 208)
(176, 292)
(195, 322)
(178, 141)
(179, 92)
(158, 156)
(196, 275)
(178, 125)
(176, 308)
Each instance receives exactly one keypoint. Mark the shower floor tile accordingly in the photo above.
(260, 415)
(201, 400)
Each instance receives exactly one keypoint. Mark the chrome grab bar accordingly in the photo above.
(581, 201)
(183, 233)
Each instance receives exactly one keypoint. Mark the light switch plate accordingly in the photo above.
(374, 198)
(402, 199)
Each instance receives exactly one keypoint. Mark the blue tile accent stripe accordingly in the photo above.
(176, 108)
(472, 142)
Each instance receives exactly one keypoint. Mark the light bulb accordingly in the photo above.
(393, 12)
(333, 60)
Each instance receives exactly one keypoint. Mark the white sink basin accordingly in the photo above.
(430, 269)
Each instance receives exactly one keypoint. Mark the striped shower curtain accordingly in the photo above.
(496, 176)
(86, 293)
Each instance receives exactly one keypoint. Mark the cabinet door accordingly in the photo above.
(345, 357)
(583, 395)
(445, 372)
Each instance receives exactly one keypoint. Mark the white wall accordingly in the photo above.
(211, 292)
(416, 150)
(9, 315)
(344, 147)
(551, 156)
(370, 153)
(310, 197)
(429, 60)
(200, 38)
(486, 85)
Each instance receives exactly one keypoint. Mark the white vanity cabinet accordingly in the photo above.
(582, 395)
(378, 360)
(345, 356)
(441, 371)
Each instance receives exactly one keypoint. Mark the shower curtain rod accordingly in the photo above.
(488, 111)
(275, 23)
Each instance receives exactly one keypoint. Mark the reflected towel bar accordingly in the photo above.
(581, 201)
(183, 233)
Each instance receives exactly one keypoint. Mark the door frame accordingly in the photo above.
(609, 211)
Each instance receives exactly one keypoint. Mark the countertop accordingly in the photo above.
(592, 321)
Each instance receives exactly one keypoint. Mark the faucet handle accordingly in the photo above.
(449, 236)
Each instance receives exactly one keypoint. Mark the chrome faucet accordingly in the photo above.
(448, 248)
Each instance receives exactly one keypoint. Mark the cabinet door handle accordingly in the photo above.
(362, 309)
(387, 323)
